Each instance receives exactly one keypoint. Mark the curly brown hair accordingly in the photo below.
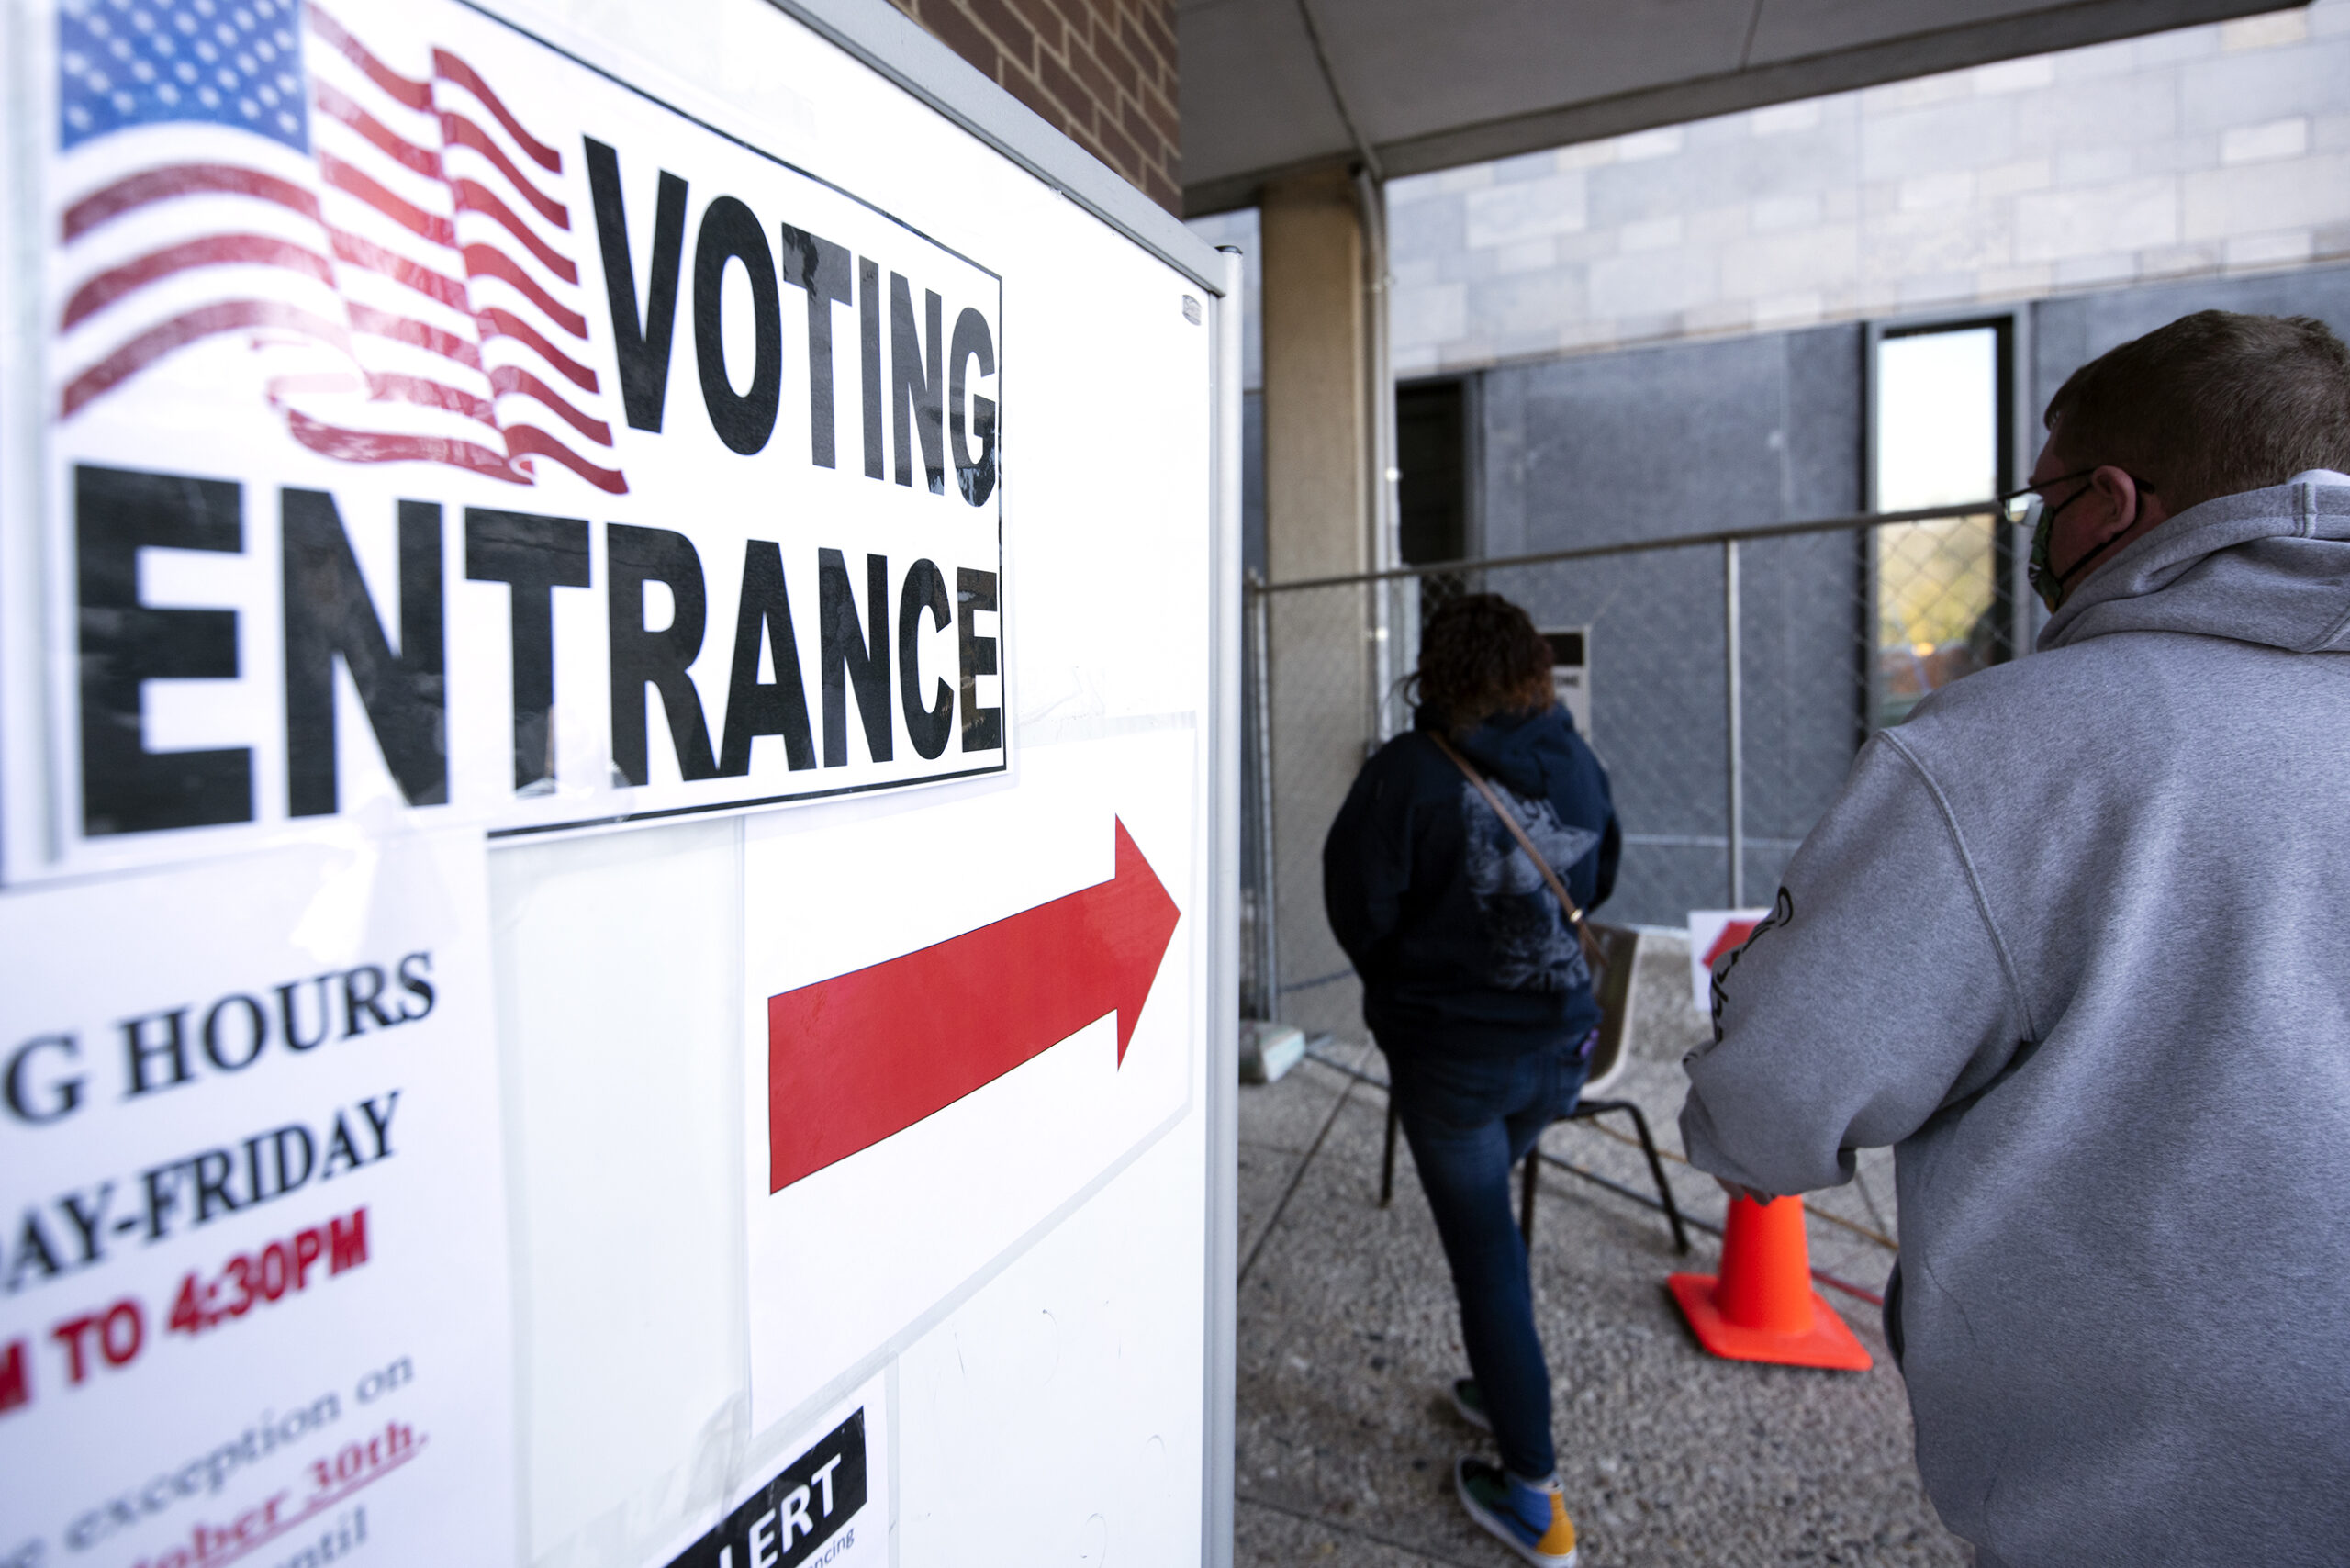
(1480, 655)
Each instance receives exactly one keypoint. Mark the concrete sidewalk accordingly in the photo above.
(1348, 1336)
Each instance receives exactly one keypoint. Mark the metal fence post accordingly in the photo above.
(1736, 738)
(1814, 672)
(1269, 973)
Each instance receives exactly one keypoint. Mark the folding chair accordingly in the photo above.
(1609, 1056)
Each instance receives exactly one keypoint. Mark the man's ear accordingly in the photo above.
(2115, 495)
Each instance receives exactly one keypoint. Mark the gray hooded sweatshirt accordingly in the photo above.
(2075, 938)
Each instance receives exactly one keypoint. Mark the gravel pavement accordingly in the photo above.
(1348, 1335)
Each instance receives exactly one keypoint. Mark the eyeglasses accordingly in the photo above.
(2025, 503)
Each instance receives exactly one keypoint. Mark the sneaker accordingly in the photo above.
(1530, 1520)
(1469, 1404)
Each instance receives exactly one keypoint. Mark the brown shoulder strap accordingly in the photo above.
(1594, 955)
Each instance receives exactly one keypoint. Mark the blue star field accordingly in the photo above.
(232, 63)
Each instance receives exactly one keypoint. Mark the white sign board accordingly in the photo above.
(609, 749)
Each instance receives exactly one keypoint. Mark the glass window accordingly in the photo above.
(1941, 414)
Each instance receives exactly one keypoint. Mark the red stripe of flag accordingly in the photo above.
(377, 323)
(375, 446)
(212, 250)
(513, 380)
(364, 253)
(484, 261)
(414, 95)
(227, 316)
(448, 68)
(495, 322)
(353, 180)
(474, 196)
(337, 105)
(138, 190)
(529, 440)
(456, 129)
(428, 393)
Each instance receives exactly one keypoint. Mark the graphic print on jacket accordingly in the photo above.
(1523, 926)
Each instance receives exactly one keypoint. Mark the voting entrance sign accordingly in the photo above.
(511, 449)
(616, 765)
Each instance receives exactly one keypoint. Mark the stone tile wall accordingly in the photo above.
(2206, 151)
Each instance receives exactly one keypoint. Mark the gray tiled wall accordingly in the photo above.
(2202, 151)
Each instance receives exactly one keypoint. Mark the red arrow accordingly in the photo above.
(855, 1058)
(1734, 935)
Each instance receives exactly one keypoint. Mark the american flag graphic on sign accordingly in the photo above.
(380, 226)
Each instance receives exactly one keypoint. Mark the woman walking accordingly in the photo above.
(1479, 992)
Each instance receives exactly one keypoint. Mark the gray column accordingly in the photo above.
(1317, 524)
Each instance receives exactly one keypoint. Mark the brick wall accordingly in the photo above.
(1102, 72)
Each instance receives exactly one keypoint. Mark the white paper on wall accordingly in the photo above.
(253, 1285)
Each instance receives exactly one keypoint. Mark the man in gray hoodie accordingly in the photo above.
(2075, 940)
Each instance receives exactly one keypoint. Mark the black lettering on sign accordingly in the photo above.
(815, 264)
(915, 385)
(642, 657)
(788, 1519)
(232, 1045)
(146, 1049)
(975, 591)
(642, 347)
(125, 786)
(864, 657)
(974, 475)
(533, 556)
(753, 707)
(731, 233)
(327, 615)
(59, 1090)
(925, 589)
(868, 344)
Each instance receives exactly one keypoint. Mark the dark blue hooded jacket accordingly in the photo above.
(1460, 943)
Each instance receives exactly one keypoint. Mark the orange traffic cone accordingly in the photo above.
(1762, 1306)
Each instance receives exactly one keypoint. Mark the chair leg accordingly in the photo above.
(1595, 1108)
(1387, 1161)
(1656, 1169)
(1526, 1194)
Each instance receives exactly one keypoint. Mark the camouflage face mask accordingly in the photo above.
(2029, 507)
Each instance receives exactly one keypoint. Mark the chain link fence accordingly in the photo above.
(1725, 681)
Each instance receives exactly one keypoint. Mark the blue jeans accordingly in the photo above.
(1470, 1121)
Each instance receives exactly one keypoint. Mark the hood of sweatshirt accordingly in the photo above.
(1529, 752)
(2267, 566)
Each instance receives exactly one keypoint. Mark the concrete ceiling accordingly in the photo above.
(1271, 86)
